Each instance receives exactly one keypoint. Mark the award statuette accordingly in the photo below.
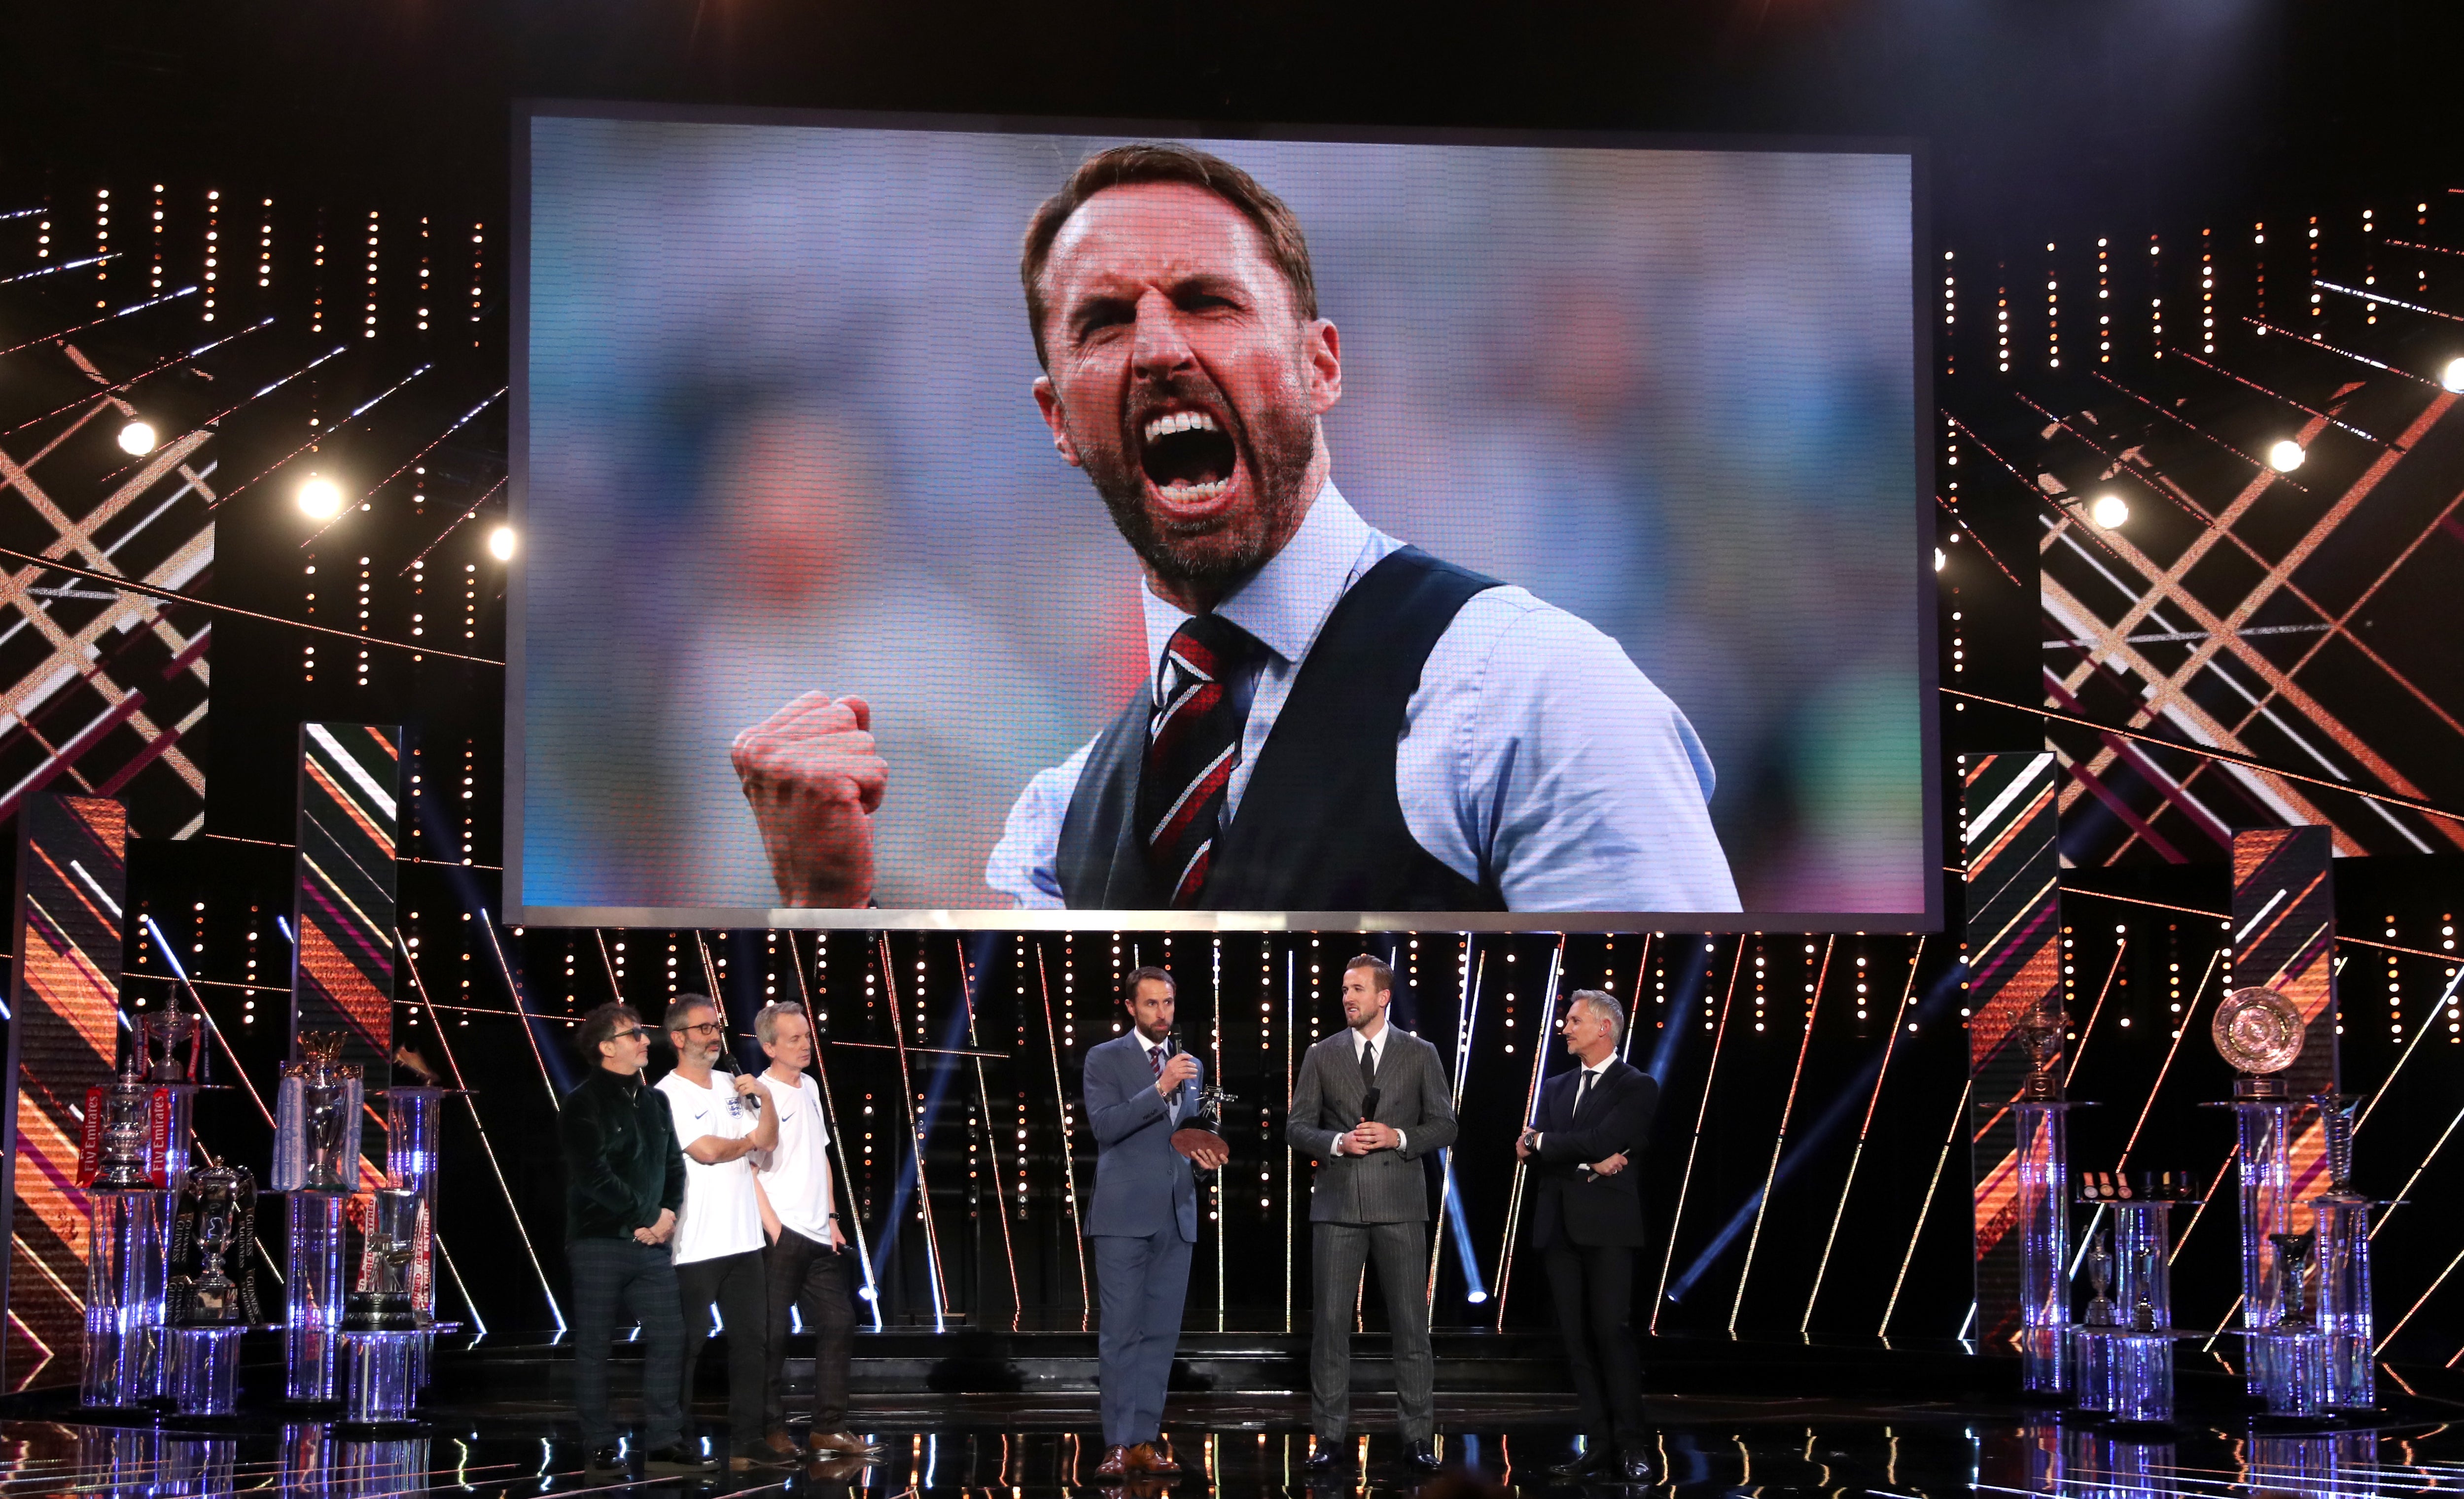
(2259, 1032)
(1203, 1130)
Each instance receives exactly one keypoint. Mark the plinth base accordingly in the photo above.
(200, 1370)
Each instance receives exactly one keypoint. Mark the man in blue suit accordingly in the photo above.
(1143, 1221)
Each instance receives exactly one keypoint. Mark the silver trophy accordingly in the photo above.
(2040, 1038)
(2099, 1311)
(2292, 1259)
(316, 1125)
(164, 1035)
(2336, 1114)
(2259, 1032)
(127, 1127)
(217, 1216)
(384, 1302)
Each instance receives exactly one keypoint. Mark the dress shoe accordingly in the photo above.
(1422, 1455)
(677, 1458)
(1637, 1468)
(1598, 1463)
(1322, 1460)
(1146, 1458)
(783, 1442)
(1116, 1463)
(845, 1443)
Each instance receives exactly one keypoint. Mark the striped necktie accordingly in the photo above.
(1193, 744)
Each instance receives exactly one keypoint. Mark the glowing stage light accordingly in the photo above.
(2452, 376)
(864, 1292)
(137, 437)
(1939, 559)
(2285, 456)
(2109, 511)
(320, 498)
(1476, 1297)
(500, 543)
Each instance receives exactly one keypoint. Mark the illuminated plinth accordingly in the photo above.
(128, 1262)
(200, 1370)
(2289, 1366)
(204, 1466)
(2345, 1300)
(313, 1294)
(2043, 1227)
(2124, 1375)
(2143, 1260)
(384, 1375)
(379, 1468)
(2266, 1156)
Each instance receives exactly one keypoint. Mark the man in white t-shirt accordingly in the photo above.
(718, 1242)
(808, 1253)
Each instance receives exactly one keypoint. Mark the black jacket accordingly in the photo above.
(1616, 1116)
(622, 1162)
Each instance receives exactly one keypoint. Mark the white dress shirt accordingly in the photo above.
(1534, 751)
(1583, 1091)
(1360, 1043)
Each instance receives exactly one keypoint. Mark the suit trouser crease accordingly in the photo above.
(610, 1273)
(740, 1287)
(1592, 1285)
(818, 1279)
(1400, 1251)
(1143, 1283)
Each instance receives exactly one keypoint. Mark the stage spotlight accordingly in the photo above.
(1476, 1297)
(2452, 376)
(864, 1292)
(320, 498)
(500, 543)
(2285, 456)
(137, 437)
(1939, 559)
(2109, 511)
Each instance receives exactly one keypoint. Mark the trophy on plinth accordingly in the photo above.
(2099, 1311)
(210, 1305)
(317, 1162)
(173, 1041)
(129, 1237)
(2043, 1206)
(383, 1332)
(2289, 1360)
(2342, 1218)
(2258, 1032)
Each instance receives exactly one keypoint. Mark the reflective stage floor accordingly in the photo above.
(1242, 1446)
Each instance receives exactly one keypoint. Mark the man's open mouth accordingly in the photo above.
(1187, 456)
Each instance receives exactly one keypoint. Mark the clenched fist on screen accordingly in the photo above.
(814, 778)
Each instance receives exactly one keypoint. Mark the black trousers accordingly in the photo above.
(609, 1274)
(738, 1284)
(1593, 1286)
(822, 1282)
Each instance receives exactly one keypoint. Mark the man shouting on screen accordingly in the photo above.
(1334, 720)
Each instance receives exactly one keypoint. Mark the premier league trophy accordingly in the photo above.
(208, 1306)
(2259, 1032)
(317, 1162)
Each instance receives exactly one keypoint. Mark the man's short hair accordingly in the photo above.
(603, 1023)
(1138, 975)
(1165, 161)
(684, 1004)
(1601, 1002)
(766, 1021)
(1381, 976)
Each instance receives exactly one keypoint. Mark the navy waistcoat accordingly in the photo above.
(1320, 825)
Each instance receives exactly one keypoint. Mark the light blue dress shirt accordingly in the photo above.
(1534, 753)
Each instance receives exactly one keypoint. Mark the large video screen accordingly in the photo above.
(973, 524)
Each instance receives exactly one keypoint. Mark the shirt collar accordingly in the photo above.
(1285, 602)
(1360, 1041)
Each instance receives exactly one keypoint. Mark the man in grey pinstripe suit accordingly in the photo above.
(1371, 1201)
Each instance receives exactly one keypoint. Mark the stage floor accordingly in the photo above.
(1243, 1446)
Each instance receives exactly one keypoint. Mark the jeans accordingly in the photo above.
(811, 1275)
(740, 1285)
(609, 1273)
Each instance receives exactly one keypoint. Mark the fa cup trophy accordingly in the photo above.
(119, 1129)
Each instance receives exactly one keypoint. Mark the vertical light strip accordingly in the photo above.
(1840, 1209)
(1924, 1208)
(1634, 1021)
(1779, 1141)
(916, 1127)
(1068, 1157)
(1291, 1158)
(1530, 1102)
(992, 1135)
(1446, 1176)
(1676, 1219)
(838, 1138)
(1223, 1205)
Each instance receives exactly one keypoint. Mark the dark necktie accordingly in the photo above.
(1193, 742)
(1369, 1066)
(1582, 1086)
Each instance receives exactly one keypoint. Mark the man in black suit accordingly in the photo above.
(1371, 1201)
(1587, 1221)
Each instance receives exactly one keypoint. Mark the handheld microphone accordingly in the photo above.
(1369, 1105)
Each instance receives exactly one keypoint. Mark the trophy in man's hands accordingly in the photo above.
(1201, 1134)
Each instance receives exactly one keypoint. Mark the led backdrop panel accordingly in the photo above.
(777, 433)
(63, 1039)
(350, 777)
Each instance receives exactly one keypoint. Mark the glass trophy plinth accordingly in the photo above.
(383, 1380)
(128, 1262)
(313, 1295)
(2043, 1227)
(2343, 1223)
(201, 1369)
(380, 1467)
(197, 1467)
(2126, 1377)
(2263, 1125)
(2289, 1367)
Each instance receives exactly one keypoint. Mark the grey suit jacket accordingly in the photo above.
(1384, 1186)
(1142, 1185)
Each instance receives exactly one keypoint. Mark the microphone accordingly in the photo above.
(1369, 1105)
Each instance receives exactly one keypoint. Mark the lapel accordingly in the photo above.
(1598, 1087)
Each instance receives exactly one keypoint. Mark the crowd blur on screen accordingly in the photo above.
(781, 439)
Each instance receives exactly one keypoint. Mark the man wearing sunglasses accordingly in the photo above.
(718, 1239)
(624, 1181)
